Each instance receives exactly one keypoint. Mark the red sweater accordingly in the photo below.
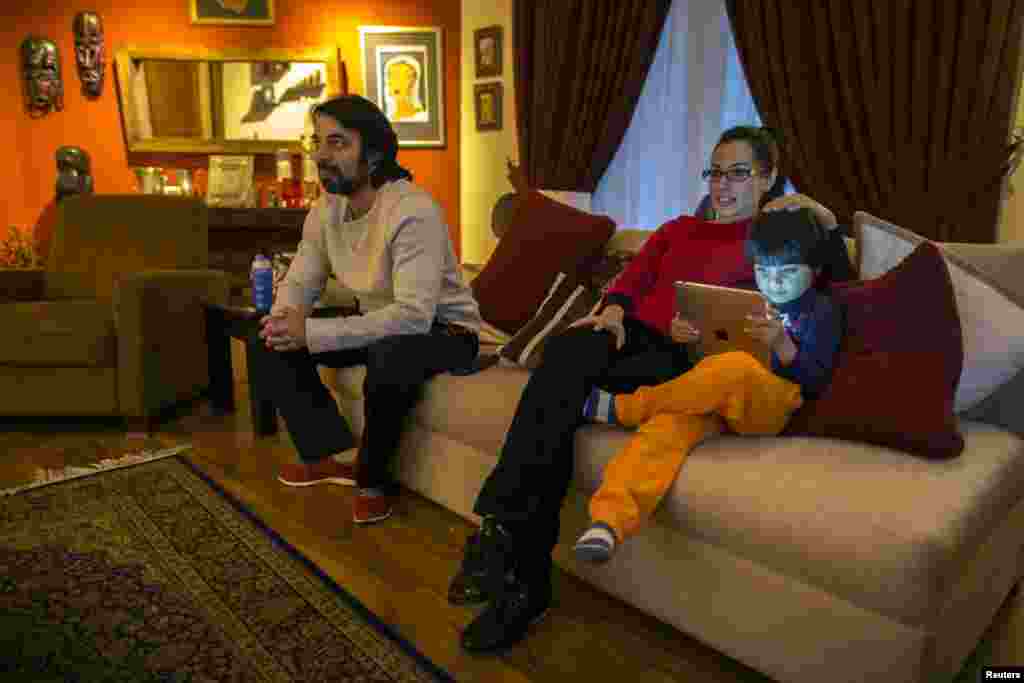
(686, 249)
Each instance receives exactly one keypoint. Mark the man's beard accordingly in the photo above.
(336, 182)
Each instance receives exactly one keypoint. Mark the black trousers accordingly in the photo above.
(527, 487)
(396, 369)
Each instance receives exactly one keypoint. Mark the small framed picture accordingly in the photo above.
(487, 98)
(488, 51)
(229, 182)
(403, 71)
(235, 12)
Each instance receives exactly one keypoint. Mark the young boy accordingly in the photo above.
(729, 391)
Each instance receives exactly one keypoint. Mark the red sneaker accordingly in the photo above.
(367, 508)
(326, 471)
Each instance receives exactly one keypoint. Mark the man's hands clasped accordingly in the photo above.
(284, 330)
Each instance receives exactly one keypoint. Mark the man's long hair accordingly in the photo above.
(380, 143)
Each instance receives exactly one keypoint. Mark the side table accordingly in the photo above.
(224, 323)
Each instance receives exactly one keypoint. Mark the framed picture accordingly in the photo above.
(487, 101)
(403, 74)
(268, 100)
(229, 181)
(488, 50)
(253, 12)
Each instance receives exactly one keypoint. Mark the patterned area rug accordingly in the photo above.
(149, 572)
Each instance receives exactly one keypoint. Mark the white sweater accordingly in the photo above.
(398, 259)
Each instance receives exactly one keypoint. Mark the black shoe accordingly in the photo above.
(483, 561)
(508, 617)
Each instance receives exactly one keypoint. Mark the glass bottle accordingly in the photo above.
(297, 191)
(199, 181)
(285, 177)
(185, 181)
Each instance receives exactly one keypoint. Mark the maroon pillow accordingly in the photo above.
(545, 237)
(899, 364)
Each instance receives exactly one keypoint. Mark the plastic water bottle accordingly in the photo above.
(262, 283)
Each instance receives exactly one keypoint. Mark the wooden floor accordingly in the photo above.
(400, 568)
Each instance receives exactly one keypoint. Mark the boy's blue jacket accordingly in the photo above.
(815, 324)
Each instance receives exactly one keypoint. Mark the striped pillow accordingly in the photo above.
(565, 303)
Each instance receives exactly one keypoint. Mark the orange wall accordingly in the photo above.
(28, 183)
(12, 177)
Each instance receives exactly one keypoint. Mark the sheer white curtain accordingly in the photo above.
(694, 91)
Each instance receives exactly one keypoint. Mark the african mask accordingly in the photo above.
(40, 63)
(73, 176)
(88, 29)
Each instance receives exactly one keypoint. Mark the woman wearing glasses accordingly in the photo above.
(634, 341)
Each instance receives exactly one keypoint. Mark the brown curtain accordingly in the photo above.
(901, 108)
(579, 69)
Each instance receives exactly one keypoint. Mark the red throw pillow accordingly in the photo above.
(899, 364)
(546, 237)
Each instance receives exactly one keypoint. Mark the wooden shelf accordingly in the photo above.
(225, 218)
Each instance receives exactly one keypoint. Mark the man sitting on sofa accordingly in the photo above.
(385, 238)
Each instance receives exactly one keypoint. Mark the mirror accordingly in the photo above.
(221, 101)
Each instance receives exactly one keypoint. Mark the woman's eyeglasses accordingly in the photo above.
(735, 175)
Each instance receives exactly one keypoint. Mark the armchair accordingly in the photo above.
(114, 323)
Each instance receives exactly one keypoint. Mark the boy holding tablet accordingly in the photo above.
(728, 391)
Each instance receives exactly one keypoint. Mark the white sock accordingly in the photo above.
(597, 544)
(600, 407)
(599, 533)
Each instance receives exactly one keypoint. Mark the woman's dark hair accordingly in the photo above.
(764, 142)
(380, 143)
(785, 237)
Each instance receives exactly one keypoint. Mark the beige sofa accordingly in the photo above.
(808, 559)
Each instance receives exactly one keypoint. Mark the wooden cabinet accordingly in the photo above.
(236, 235)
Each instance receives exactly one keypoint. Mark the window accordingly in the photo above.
(695, 90)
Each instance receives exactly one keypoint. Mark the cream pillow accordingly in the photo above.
(990, 302)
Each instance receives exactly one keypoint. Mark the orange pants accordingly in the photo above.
(726, 391)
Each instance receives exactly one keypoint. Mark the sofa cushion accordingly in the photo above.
(899, 363)
(475, 409)
(55, 333)
(989, 293)
(567, 301)
(863, 522)
(547, 237)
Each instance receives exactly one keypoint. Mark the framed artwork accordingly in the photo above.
(236, 12)
(229, 181)
(403, 74)
(488, 50)
(269, 100)
(487, 101)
